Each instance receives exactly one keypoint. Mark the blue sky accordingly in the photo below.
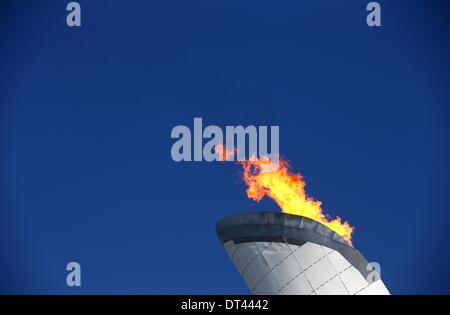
(86, 115)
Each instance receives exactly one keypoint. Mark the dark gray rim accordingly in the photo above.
(292, 229)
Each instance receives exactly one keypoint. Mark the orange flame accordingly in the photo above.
(223, 153)
(287, 189)
(265, 178)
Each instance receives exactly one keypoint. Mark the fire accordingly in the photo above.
(287, 189)
(223, 153)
